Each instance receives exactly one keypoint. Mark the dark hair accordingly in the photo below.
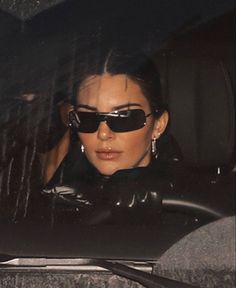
(138, 67)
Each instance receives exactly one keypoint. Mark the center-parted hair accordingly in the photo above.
(138, 67)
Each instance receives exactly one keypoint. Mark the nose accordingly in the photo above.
(104, 132)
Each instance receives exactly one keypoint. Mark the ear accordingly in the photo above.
(160, 125)
(64, 110)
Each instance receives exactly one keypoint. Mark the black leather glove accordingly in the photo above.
(131, 196)
(66, 205)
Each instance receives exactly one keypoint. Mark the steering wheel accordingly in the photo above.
(191, 207)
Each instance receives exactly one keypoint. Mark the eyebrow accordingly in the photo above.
(87, 107)
(92, 108)
(126, 106)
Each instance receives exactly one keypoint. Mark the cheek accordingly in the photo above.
(88, 140)
(137, 141)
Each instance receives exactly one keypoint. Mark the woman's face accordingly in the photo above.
(110, 151)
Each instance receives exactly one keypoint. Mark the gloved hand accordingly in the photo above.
(132, 198)
(66, 205)
(133, 194)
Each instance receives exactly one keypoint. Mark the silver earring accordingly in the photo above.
(82, 148)
(154, 147)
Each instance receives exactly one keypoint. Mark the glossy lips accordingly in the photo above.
(108, 154)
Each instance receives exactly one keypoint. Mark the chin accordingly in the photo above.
(107, 171)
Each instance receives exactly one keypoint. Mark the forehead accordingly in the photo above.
(107, 91)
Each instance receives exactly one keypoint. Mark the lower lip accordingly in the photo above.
(108, 155)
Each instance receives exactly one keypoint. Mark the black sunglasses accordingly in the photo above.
(118, 121)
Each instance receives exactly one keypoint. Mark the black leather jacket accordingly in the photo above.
(163, 192)
(133, 195)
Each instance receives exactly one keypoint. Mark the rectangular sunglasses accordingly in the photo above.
(118, 121)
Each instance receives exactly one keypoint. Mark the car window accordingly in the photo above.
(43, 169)
(117, 132)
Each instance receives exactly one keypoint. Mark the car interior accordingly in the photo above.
(193, 45)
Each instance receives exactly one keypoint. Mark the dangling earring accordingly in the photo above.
(154, 147)
(82, 148)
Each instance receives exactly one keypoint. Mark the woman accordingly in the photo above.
(118, 117)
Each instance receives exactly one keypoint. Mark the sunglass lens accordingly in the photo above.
(127, 121)
(88, 122)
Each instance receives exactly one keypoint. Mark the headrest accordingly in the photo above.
(201, 106)
(199, 79)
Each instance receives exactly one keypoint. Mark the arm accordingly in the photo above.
(51, 159)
